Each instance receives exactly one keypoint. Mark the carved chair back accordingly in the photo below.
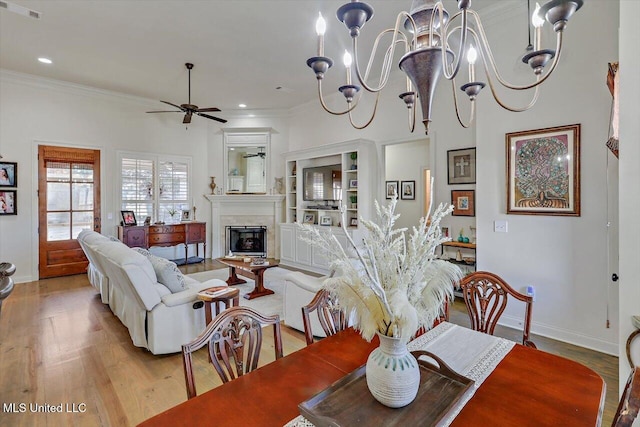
(485, 294)
(331, 317)
(629, 402)
(234, 338)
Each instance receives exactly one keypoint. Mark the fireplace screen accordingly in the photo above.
(247, 240)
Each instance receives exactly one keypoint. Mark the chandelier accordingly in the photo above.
(434, 45)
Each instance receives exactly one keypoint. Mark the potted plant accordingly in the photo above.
(354, 158)
(354, 201)
(390, 285)
(172, 213)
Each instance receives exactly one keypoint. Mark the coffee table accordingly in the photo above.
(247, 269)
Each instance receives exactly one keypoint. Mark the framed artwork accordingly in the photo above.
(461, 166)
(445, 231)
(353, 222)
(8, 202)
(543, 171)
(464, 202)
(353, 183)
(309, 218)
(408, 190)
(186, 215)
(325, 220)
(128, 218)
(8, 174)
(392, 189)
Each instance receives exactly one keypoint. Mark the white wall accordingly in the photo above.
(629, 178)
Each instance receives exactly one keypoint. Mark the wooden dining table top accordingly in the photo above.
(529, 387)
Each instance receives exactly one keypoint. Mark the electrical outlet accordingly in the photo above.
(500, 226)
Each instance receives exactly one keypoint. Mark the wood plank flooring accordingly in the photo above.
(59, 345)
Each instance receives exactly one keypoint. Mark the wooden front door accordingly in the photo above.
(68, 202)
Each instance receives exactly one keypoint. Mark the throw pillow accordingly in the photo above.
(167, 271)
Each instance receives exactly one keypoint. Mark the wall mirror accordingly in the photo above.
(246, 161)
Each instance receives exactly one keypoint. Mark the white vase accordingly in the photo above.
(393, 375)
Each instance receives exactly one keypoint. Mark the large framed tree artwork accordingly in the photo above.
(543, 171)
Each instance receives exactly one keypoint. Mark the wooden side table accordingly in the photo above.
(230, 298)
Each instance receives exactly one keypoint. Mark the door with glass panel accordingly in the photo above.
(68, 202)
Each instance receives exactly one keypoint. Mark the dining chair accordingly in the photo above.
(235, 339)
(485, 294)
(629, 404)
(331, 317)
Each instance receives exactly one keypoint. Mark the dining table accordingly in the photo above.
(514, 385)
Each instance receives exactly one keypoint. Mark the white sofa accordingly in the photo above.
(157, 319)
(300, 288)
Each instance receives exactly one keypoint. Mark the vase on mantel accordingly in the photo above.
(392, 372)
(213, 185)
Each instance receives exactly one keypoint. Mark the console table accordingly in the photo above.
(146, 236)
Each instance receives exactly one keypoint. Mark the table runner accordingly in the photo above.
(472, 354)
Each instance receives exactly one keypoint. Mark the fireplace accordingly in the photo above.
(246, 240)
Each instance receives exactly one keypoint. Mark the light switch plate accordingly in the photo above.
(500, 226)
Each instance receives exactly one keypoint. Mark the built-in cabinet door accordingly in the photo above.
(287, 244)
(303, 252)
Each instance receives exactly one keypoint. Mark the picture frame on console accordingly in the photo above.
(543, 171)
(128, 218)
(326, 220)
(8, 174)
(309, 218)
(186, 215)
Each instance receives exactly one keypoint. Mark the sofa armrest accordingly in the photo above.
(306, 282)
(189, 295)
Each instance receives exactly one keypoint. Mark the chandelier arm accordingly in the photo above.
(455, 103)
(463, 41)
(327, 109)
(385, 75)
(412, 119)
(505, 106)
(373, 115)
(487, 47)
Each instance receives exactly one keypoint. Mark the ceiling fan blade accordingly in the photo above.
(205, 110)
(187, 118)
(172, 111)
(173, 105)
(211, 117)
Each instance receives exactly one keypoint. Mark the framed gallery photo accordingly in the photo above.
(408, 190)
(8, 174)
(325, 220)
(186, 215)
(8, 202)
(128, 218)
(309, 218)
(543, 171)
(353, 183)
(392, 189)
(464, 202)
(461, 166)
(353, 222)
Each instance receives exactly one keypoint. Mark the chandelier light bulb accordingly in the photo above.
(472, 55)
(347, 59)
(536, 19)
(321, 25)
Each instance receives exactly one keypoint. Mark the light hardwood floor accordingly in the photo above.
(59, 345)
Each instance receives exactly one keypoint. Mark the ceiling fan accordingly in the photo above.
(261, 154)
(189, 109)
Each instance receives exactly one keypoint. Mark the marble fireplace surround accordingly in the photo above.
(245, 209)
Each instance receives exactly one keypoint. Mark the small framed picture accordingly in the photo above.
(186, 215)
(8, 174)
(445, 231)
(325, 220)
(128, 218)
(353, 222)
(309, 218)
(461, 166)
(464, 203)
(408, 190)
(353, 183)
(9, 202)
(392, 189)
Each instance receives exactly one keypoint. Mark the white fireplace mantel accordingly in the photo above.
(244, 205)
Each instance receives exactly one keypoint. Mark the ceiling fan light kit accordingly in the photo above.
(434, 46)
(190, 109)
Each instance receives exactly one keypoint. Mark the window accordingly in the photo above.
(154, 186)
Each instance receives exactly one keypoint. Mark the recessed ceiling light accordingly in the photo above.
(242, 105)
(45, 60)
(252, 115)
